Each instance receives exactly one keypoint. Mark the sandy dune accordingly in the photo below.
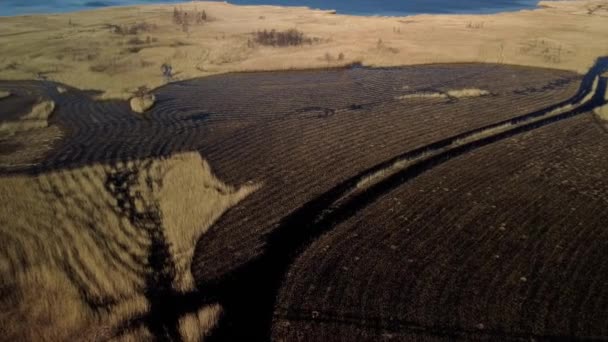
(118, 50)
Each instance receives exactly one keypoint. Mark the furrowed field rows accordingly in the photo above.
(333, 148)
(454, 254)
(304, 137)
(196, 115)
(264, 272)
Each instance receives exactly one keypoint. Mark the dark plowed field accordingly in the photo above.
(508, 241)
(494, 230)
(299, 155)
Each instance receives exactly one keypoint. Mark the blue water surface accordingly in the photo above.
(357, 7)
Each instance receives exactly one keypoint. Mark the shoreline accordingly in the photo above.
(390, 14)
(82, 51)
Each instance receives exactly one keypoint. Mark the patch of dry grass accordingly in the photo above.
(196, 325)
(602, 111)
(422, 95)
(470, 92)
(36, 118)
(454, 94)
(73, 265)
(290, 37)
(28, 147)
(380, 175)
(141, 104)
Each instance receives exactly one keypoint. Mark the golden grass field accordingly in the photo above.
(76, 248)
(118, 50)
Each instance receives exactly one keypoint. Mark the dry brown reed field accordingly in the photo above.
(77, 259)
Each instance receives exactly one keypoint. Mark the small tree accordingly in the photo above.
(141, 91)
(176, 15)
(167, 71)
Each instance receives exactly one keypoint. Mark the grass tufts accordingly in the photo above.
(290, 37)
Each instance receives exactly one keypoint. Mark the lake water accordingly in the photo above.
(357, 7)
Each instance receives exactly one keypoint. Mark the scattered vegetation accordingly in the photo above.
(135, 41)
(112, 66)
(180, 16)
(596, 8)
(186, 18)
(549, 51)
(382, 47)
(290, 37)
(475, 25)
(132, 29)
(328, 57)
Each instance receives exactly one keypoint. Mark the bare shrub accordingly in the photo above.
(98, 68)
(549, 51)
(136, 41)
(167, 71)
(341, 56)
(134, 49)
(473, 25)
(382, 47)
(183, 18)
(131, 29)
(290, 37)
